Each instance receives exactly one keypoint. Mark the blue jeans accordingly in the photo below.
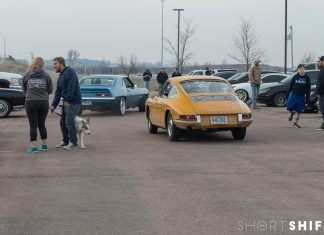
(147, 84)
(160, 85)
(70, 113)
(255, 93)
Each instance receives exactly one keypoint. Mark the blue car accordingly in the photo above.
(111, 92)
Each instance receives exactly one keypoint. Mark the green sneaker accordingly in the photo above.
(43, 147)
(32, 150)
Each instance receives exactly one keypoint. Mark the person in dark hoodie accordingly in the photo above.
(320, 90)
(147, 75)
(68, 89)
(161, 77)
(299, 88)
(37, 85)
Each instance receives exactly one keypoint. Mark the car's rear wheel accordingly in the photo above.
(280, 99)
(121, 106)
(173, 131)
(152, 128)
(5, 108)
(141, 106)
(242, 95)
(239, 133)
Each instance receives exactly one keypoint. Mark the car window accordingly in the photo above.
(198, 73)
(205, 86)
(272, 78)
(127, 83)
(97, 81)
(310, 67)
(172, 92)
(313, 77)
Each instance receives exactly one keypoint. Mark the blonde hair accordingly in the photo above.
(38, 63)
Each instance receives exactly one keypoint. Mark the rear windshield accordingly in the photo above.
(205, 86)
(97, 81)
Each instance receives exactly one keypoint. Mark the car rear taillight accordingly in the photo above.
(246, 115)
(102, 95)
(188, 117)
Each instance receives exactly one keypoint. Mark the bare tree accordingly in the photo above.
(127, 66)
(246, 42)
(308, 58)
(72, 56)
(184, 41)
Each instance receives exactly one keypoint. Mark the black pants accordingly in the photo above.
(64, 130)
(37, 112)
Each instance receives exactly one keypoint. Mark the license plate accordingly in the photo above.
(86, 102)
(218, 119)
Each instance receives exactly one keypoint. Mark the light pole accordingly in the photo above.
(286, 36)
(162, 39)
(292, 46)
(4, 45)
(178, 61)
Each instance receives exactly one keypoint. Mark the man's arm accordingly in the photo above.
(57, 96)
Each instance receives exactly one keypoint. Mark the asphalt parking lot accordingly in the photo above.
(128, 181)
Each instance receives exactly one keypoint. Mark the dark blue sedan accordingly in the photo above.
(111, 92)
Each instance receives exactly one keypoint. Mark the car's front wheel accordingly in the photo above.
(141, 106)
(152, 128)
(242, 95)
(173, 131)
(121, 106)
(239, 133)
(280, 99)
(5, 108)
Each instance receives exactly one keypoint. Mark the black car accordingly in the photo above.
(244, 77)
(275, 94)
(225, 74)
(9, 98)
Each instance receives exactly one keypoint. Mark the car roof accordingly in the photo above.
(103, 76)
(188, 78)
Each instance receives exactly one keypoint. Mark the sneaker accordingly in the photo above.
(61, 145)
(71, 146)
(291, 116)
(32, 150)
(321, 128)
(296, 125)
(43, 147)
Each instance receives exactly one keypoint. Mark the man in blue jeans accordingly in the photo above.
(68, 89)
(255, 81)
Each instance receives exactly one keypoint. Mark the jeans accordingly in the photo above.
(255, 93)
(160, 85)
(321, 106)
(37, 111)
(70, 113)
(147, 84)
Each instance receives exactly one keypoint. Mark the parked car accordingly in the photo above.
(111, 92)
(225, 74)
(10, 98)
(202, 72)
(244, 77)
(244, 90)
(311, 106)
(14, 79)
(275, 94)
(197, 104)
(307, 66)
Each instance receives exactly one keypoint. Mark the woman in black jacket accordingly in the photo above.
(37, 85)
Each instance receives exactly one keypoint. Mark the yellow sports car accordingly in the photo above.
(197, 103)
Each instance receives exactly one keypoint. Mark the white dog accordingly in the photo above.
(82, 127)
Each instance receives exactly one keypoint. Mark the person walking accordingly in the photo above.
(320, 90)
(68, 89)
(162, 76)
(147, 75)
(37, 85)
(299, 88)
(255, 81)
(176, 73)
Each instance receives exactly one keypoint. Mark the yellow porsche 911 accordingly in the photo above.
(197, 103)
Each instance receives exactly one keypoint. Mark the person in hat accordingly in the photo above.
(300, 87)
(320, 90)
(208, 72)
(176, 73)
(255, 81)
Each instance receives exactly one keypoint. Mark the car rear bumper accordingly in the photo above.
(98, 103)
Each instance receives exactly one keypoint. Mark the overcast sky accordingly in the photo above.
(108, 28)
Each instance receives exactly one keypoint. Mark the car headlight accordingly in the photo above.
(14, 81)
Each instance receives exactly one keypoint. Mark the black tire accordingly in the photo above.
(5, 108)
(280, 99)
(141, 106)
(242, 95)
(151, 128)
(120, 108)
(172, 130)
(239, 133)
